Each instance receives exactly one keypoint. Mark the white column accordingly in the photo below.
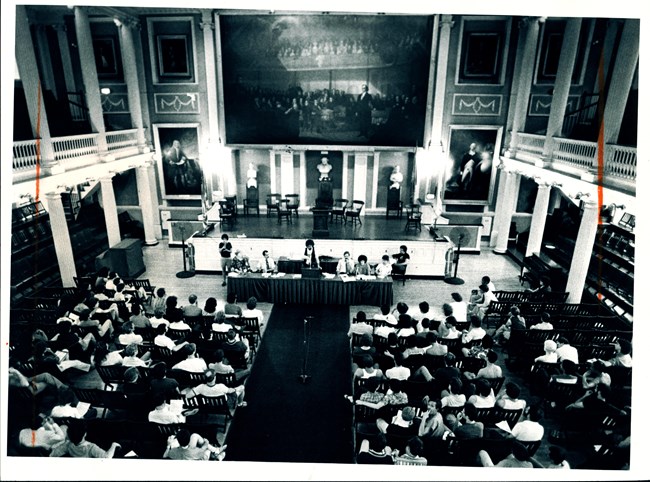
(562, 85)
(375, 180)
(540, 211)
(28, 70)
(344, 175)
(110, 210)
(129, 62)
(286, 173)
(582, 252)
(622, 77)
(146, 207)
(61, 238)
(89, 75)
(303, 180)
(207, 26)
(272, 171)
(360, 172)
(521, 87)
(498, 208)
(508, 208)
(432, 75)
(446, 25)
(153, 198)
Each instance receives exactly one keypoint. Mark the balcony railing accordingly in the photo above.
(576, 156)
(73, 152)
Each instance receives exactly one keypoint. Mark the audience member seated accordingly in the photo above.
(360, 326)
(488, 297)
(459, 307)
(509, 399)
(232, 308)
(529, 429)
(252, 311)
(515, 322)
(138, 319)
(193, 308)
(235, 344)
(375, 450)
(550, 353)
(43, 433)
(105, 357)
(130, 357)
(210, 307)
(365, 347)
(128, 336)
(412, 454)
(103, 329)
(367, 369)
(465, 426)
(172, 312)
(158, 319)
(435, 348)
(432, 425)
(186, 446)
(160, 385)
(220, 367)
(66, 340)
(491, 369)
(484, 396)
(163, 340)
(386, 316)
(405, 326)
(211, 388)
(565, 351)
(68, 407)
(450, 331)
(453, 395)
(402, 423)
(166, 413)
(544, 324)
(192, 362)
(622, 357)
(78, 446)
(476, 332)
(399, 371)
(519, 458)
(159, 300)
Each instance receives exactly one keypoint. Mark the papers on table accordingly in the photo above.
(297, 276)
(278, 275)
(329, 275)
(345, 278)
(233, 274)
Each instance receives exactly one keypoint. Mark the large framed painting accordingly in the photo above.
(325, 79)
(469, 175)
(173, 56)
(177, 153)
(105, 57)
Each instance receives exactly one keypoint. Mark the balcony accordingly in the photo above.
(71, 153)
(580, 159)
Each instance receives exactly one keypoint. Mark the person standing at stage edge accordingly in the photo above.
(225, 250)
(310, 258)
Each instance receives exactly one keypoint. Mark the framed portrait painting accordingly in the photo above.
(473, 153)
(105, 57)
(173, 56)
(177, 153)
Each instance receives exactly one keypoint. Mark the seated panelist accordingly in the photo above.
(345, 265)
(266, 263)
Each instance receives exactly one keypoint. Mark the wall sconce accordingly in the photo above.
(105, 90)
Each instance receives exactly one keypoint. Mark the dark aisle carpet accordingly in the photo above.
(287, 421)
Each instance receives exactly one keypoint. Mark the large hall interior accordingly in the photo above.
(298, 244)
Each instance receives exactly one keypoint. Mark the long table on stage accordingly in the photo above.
(291, 289)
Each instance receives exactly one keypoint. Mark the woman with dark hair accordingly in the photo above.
(310, 258)
(210, 307)
(172, 312)
(362, 267)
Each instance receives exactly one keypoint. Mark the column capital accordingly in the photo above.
(52, 195)
(206, 25)
(446, 21)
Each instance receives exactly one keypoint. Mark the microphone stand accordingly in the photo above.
(304, 378)
(185, 273)
(455, 280)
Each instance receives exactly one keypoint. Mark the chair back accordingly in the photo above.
(111, 375)
(294, 200)
(252, 196)
(357, 206)
(273, 200)
(339, 205)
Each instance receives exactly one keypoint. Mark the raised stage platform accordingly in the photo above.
(376, 237)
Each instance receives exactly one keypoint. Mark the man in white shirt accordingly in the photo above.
(544, 324)
(386, 316)
(530, 430)
(488, 282)
(476, 332)
(164, 413)
(359, 326)
(266, 264)
(192, 363)
(488, 296)
(129, 336)
(384, 269)
(459, 307)
(213, 389)
(399, 371)
(565, 351)
(158, 318)
(345, 265)
(163, 340)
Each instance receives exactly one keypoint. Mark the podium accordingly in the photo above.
(321, 227)
(325, 198)
(124, 258)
